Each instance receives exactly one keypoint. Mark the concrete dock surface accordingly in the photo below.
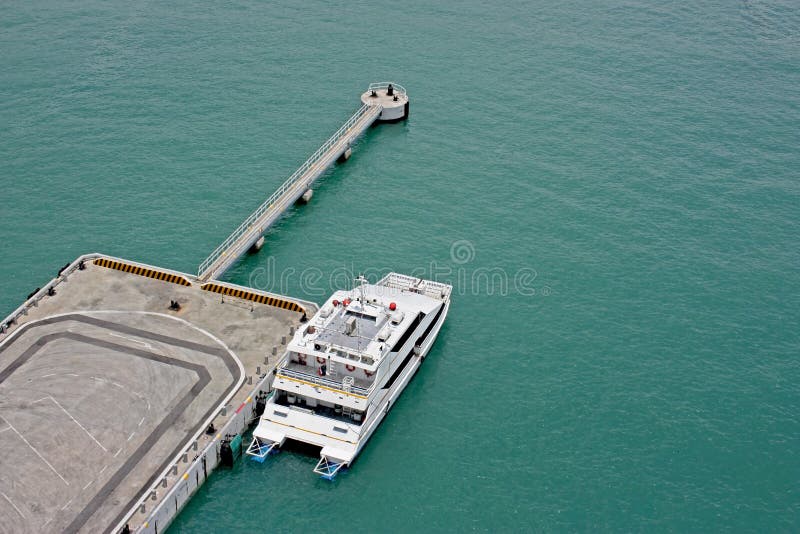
(102, 385)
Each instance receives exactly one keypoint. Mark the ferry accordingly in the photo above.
(343, 370)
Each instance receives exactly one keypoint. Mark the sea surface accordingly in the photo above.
(613, 187)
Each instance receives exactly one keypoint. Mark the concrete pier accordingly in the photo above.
(383, 102)
(108, 382)
(119, 381)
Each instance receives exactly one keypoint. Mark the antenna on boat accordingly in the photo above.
(361, 281)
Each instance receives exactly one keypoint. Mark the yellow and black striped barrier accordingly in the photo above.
(142, 271)
(261, 299)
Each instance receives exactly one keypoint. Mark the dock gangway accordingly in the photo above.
(254, 226)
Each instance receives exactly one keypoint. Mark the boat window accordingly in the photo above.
(407, 334)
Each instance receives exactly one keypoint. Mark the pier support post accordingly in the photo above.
(258, 244)
(346, 155)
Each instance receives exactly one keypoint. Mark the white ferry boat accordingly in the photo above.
(344, 369)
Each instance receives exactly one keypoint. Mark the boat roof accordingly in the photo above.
(360, 326)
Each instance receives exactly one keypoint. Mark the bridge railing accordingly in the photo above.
(248, 223)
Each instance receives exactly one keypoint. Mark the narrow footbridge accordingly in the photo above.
(378, 98)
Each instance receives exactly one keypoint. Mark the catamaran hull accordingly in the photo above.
(400, 384)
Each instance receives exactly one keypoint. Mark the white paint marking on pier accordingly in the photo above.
(118, 451)
(140, 422)
(12, 504)
(117, 385)
(4, 429)
(72, 374)
(49, 375)
(75, 421)
(103, 469)
(66, 505)
(53, 469)
(131, 436)
(47, 522)
(88, 484)
(145, 343)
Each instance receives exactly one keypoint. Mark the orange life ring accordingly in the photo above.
(368, 373)
(349, 367)
(301, 359)
(320, 359)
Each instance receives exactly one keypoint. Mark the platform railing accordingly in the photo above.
(297, 176)
(384, 85)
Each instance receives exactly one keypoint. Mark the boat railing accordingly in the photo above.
(321, 381)
(417, 285)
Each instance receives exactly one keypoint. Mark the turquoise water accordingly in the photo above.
(621, 180)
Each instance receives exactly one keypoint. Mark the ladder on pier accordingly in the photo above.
(251, 230)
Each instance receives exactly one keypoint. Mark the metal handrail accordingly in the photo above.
(288, 184)
(383, 85)
(291, 373)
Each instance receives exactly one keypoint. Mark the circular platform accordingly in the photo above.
(391, 96)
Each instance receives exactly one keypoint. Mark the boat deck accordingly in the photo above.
(309, 373)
